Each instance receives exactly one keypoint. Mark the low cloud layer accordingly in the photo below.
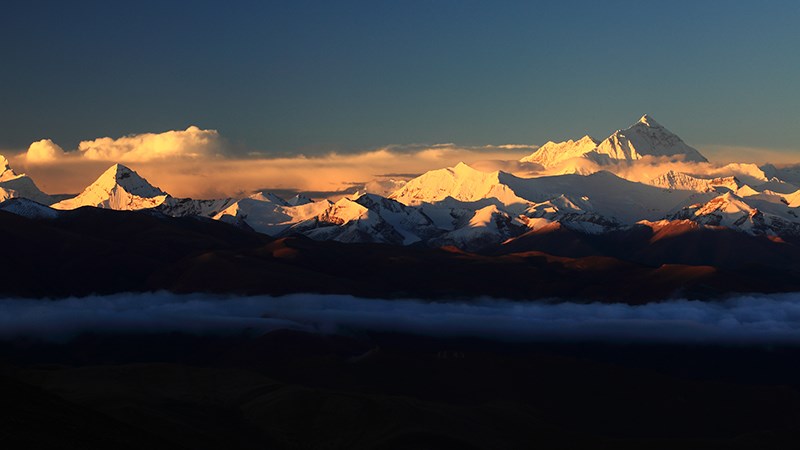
(744, 319)
(198, 163)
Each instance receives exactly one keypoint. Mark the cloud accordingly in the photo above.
(743, 319)
(43, 152)
(191, 143)
(196, 163)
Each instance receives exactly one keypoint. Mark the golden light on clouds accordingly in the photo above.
(197, 163)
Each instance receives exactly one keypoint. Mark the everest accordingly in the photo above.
(644, 138)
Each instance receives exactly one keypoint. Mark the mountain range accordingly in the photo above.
(584, 185)
(585, 227)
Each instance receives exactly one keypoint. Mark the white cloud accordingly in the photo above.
(192, 143)
(43, 152)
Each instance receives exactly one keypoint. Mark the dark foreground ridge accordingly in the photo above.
(95, 251)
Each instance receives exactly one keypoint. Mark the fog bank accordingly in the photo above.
(742, 319)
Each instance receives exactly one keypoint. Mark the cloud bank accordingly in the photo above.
(200, 163)
(744, 319)
(191, 143)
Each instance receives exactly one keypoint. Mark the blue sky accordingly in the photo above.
(316, 76)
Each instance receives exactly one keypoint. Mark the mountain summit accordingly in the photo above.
(5, 168)
(117, 188)
(644, 138)
(13, 185)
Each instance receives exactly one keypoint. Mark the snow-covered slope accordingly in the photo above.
(117, 188)
(181, 207)
(13, 185)
(349, 221)
(552, 153)
(270, 214)
(369, 218)
(28, 208)
(461, 182)
(731, 211)
(485, 227)
(600, 193)
(682, 181)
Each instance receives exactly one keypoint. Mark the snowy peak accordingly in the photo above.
(127, 179)
(117, 188)
(644, 138)
(5, 168)
(13, 185)
(647, 138)
(647, 120)
(6, 172)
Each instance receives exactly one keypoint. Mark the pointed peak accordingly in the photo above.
(6, 172)
(648, 121)
(118, 171)
(588, 140)
(128, 179)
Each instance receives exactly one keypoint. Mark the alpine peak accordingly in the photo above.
(117, 188)
(644, 138)
(649, 121)
(122, 176)
(5, 169)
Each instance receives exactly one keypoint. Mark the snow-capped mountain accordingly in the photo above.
(486, 227)
(647, 138)
(644, 138)
(461, 182)
(13, 185)
(117, 188)
(731, 211)
(474, 209)
(270, 214)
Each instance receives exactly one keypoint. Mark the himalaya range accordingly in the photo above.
(642, 176)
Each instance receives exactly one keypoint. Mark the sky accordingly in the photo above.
(288, 78)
